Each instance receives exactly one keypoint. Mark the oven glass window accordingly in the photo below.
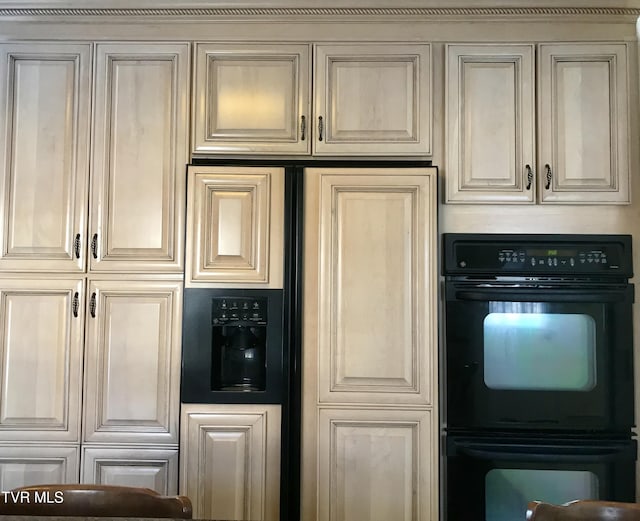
(526, 348)
(509, 490)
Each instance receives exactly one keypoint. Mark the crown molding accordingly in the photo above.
(313, 12)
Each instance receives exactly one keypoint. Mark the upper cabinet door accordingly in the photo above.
(490, 123)
(372, 99)
(44, 114)
(140, 149)
(583, 125)
(251, 98)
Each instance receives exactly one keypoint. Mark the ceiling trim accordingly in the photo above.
(320, 12)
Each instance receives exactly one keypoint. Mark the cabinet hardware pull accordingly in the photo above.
(320, 128)
(76, 304)
(92, 305)
(547, 169)
(76, 246)
(529, 176)
(303, 127)
(94, 246)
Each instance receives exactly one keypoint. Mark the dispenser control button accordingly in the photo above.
(245, 305)
(256, 305)
(224, 304)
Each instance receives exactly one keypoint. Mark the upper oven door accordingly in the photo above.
(523, 357)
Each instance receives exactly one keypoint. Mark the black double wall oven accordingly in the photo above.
(539, 372)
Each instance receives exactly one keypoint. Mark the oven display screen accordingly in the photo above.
(540, 252)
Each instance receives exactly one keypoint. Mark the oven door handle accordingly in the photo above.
(564, 454)
(541, 295)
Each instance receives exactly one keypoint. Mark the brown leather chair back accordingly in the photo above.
(93, 501)
(584, 510)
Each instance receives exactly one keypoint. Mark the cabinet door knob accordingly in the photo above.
(529, 176)
(303, 127)
(76, 304)
(76, 246)
(547, 169)
(320, 128)
(92, 305)
(94, 246)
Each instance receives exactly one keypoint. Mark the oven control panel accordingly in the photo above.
(493, 254)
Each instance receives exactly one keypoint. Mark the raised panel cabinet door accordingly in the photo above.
(235, 227)
(377, 464)
(370, 288)
(132, 361)
(490, 125)
(140, 149)
(24, 465)
(583, 123)
(251, 99)
(230, 461)
(41, 341)
(372, 99)
(152, 468)
(45, 97)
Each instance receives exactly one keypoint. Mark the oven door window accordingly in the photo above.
(507, 491)
(527, 348)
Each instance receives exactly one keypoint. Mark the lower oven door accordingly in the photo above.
(493, 479)
(555, 358)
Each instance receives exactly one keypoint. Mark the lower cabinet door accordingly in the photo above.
(38, 464)
(230, 461)
(377, 464)
(156, 469)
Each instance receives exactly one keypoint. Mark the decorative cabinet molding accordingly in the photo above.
(41, 352)
(152, 468)
(372, 99)
(45, 99)
(490, 107)
(370, 343)
(139, 153)
(583, 118)
(369, 99)
(133, 350)
(377, 464)
(251, 98)
(235, 227)
(23, 465)
(230, 461)
(582, 123)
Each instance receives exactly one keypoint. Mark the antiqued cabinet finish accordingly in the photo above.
(583, 125)
(154, 468)
(140, 147)
(376, 464)
(251, 98)
(133, 350)
(45, 99)
(372, 99)
(369, 343)
(230, 461)
(581, 154)
(490, 108)
(41, 350)
(22, 465)
(235, 227)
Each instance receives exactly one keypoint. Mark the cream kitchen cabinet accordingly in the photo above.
(22, 465)
(581, 122)
(41, 346)
(370, 344)
(235, 227)
(132, 361)
(154, 468)
(368, 99)
(139, 141)
(251, 98)
(230, 460)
